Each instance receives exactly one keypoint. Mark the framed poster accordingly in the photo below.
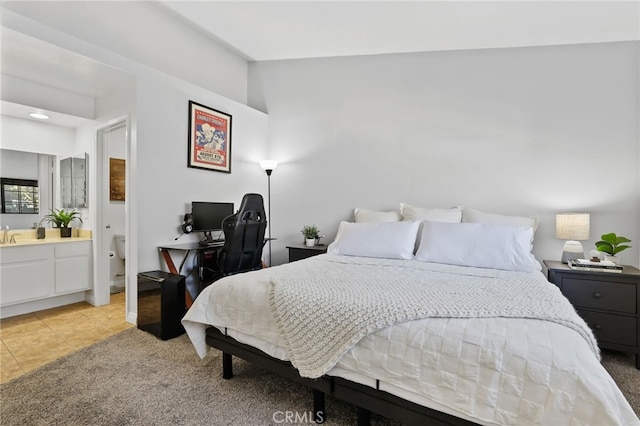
(209, 139)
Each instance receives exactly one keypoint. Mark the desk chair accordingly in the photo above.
(243, 237)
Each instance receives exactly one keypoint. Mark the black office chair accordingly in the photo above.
(243, 237)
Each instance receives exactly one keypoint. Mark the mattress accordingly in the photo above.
(488, 370)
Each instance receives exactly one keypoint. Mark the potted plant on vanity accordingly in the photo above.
(612, 244)
(61, 219)
(311, 234)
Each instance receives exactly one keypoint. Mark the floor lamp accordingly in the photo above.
(269, 166)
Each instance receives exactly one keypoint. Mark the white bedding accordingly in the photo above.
(487, 370)
(320, 317)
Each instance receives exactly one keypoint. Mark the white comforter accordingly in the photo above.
(487, 370)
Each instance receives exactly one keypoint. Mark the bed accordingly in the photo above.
(399, 330)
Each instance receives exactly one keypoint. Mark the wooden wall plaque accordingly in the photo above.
(117, 169)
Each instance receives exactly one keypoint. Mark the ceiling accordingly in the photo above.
(12, 109)
(274, 30)
(277, 30)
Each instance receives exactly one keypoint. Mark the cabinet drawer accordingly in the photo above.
(610, 328)
(75, 249)
(618, 297)
(25, 254)
(300, 253)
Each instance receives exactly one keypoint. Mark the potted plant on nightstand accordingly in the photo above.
(612, 244)
(61, 219)
(310, 233)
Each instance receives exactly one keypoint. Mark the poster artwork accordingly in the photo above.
(209, 139)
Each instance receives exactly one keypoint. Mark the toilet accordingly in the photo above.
(117, 283)
(120, 246)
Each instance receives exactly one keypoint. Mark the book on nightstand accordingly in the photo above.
(588, 265)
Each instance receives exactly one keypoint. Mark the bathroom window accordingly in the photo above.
(20, 196)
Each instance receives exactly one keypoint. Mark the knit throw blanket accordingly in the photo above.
(320, 318)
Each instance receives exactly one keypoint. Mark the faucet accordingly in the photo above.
(5, 235)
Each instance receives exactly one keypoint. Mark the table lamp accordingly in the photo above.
(573, 227)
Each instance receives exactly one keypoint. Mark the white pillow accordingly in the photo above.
(410, 212)
(363, 215)
(478, 244)
(392, 240)
(476, 216)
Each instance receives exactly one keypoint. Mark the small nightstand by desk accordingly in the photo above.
(607, 301)
(297, 252)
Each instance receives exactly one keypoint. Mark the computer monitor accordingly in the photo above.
(208, 217)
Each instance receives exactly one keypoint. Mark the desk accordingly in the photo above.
(193, 285)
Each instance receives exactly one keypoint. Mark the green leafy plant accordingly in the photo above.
(62, 218)
(612, 244)
(310, 231)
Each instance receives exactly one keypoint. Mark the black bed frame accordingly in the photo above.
(365, 398)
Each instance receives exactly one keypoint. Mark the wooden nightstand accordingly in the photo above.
(607, 301)
(297, 252)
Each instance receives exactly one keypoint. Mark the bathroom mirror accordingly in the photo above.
(74, 181)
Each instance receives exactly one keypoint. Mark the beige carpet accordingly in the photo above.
(133, 378)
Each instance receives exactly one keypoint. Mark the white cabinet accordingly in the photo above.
(36, 272)
(27, 273)
(73, 267)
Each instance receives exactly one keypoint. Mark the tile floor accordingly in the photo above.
(32, 340)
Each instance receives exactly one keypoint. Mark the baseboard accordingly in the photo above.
(39, 305)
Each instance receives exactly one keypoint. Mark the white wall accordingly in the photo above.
(512, 131)
(146, 33)
(166, 186)
(32, 136)
(18, 164)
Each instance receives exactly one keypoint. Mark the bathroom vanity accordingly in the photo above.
(40, 274)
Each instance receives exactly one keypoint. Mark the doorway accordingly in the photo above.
(112, 142)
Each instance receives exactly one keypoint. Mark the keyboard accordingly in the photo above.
(210, 243)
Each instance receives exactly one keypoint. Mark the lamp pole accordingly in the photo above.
(268, 171)
(269, 166)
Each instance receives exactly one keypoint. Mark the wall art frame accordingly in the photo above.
(209, 138)
(117, 173)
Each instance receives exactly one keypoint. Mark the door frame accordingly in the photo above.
(102, 240)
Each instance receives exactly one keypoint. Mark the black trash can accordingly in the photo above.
(161, 303)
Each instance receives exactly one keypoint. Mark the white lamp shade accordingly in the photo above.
(268, 164)
(572, 226)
